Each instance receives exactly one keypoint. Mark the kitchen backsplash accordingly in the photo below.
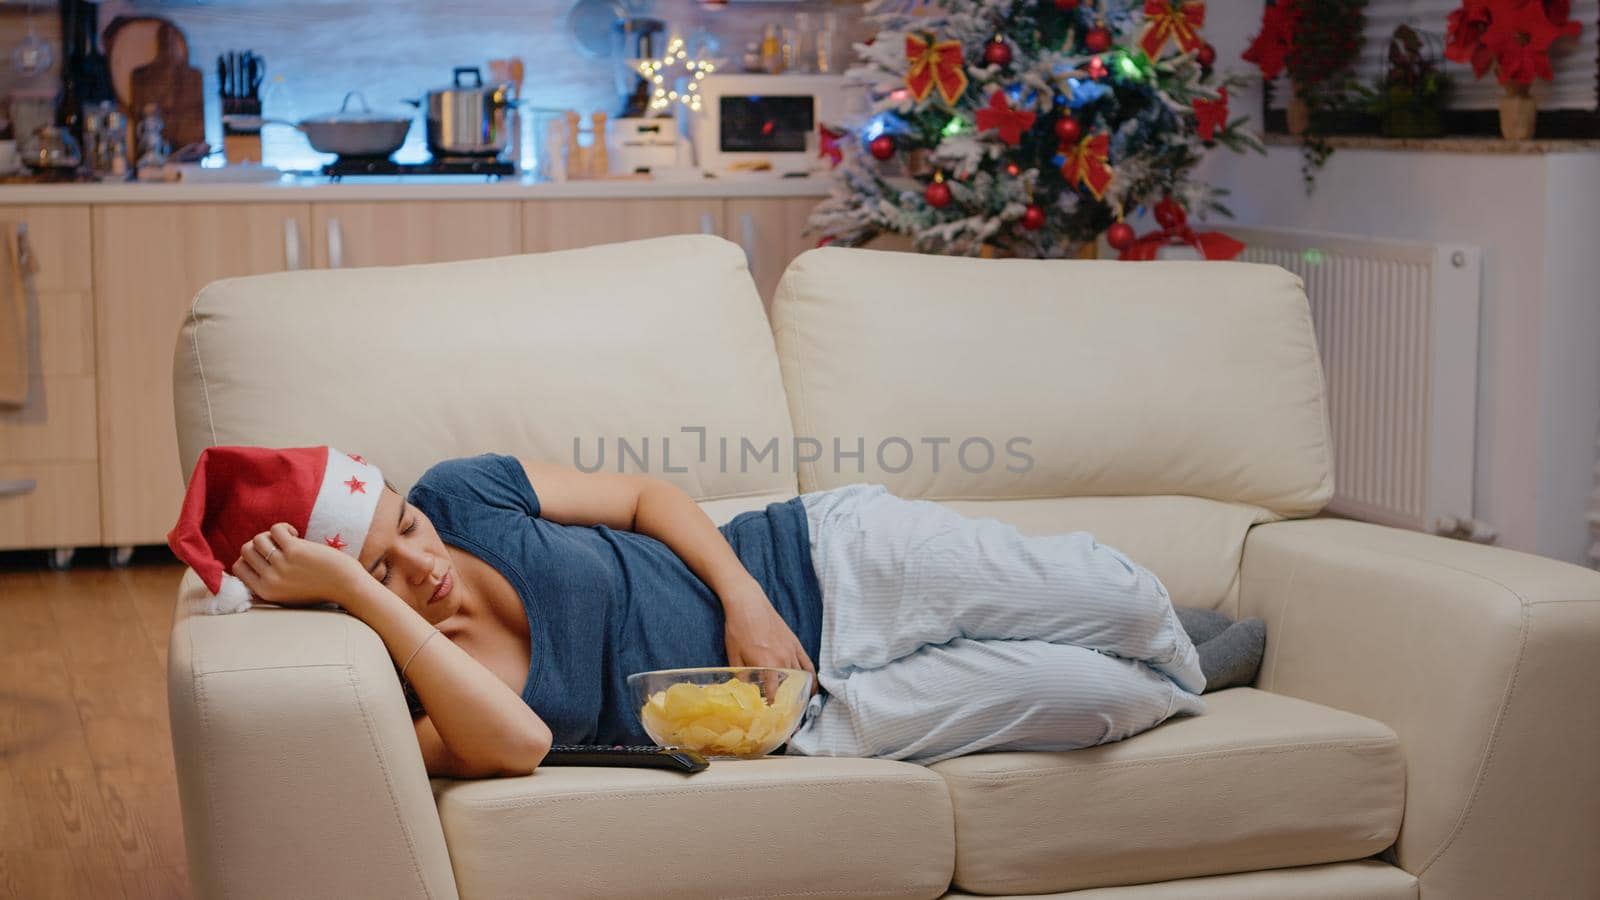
(392, 50)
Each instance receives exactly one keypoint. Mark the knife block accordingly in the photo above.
(241, 147)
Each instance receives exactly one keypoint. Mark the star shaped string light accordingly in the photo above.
(663, 77)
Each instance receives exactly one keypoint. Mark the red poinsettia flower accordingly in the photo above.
(1464, 38)
(1520, 38)
(1273, 44)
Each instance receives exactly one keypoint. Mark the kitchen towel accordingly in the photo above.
(17, 299)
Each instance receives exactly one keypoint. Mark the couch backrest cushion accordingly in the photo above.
(525, 355)
(1074, 377)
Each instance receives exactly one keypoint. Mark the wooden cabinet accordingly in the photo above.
(49, 485)
(569, 224)
(772, 233)
(149, 262)
(392, 234)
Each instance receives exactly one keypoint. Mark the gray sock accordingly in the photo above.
(1201, 624)
(1233, 657)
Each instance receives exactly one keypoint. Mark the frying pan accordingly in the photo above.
(347, 132)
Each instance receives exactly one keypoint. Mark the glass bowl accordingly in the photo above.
(721, 712)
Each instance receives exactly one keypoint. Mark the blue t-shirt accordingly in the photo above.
(602, 603)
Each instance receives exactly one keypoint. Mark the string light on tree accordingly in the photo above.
(664, 76)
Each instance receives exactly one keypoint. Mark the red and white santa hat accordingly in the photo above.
(236, 493)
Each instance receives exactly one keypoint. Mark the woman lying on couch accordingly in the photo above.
(935, 634)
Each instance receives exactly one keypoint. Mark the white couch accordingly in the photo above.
(1426, 721)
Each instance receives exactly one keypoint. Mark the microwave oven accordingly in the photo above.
(766, 124)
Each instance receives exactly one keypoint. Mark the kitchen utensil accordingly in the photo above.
(131, 42)
(469, 118)
(637, 39)
(721, 712)
(174, 86)
(50, 148)
(33, 54)
(351, 133)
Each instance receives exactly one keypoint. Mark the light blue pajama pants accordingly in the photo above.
(944, 635)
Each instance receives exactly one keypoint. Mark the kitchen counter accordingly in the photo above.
(291, 189)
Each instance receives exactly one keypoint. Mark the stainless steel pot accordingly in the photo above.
(348, 133)
(469, 119)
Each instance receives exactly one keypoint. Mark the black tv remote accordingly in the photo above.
(640, 756)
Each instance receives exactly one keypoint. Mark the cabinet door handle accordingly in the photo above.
(27, 260)
(16, 487)
(747, 238)
(291, 243)
(335, 244)
(708, 225)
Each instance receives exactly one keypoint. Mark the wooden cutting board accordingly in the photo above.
(131, 41)
(172, 84)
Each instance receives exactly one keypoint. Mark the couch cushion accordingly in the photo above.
(1162, 378)
(1192, 544)
(1363, 880)
(1259, 781)
(525, 355)
(818, 827)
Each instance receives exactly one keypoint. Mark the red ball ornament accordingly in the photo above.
(1032, 217)
(1206, 55)
(1120, 236)
(1068, 130)
(1066, 5)
(1169, 214)
(1098, 40)
(997, 52)
(882, 147)
(937, 194)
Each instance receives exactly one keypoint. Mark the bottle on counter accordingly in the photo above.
(772, 49)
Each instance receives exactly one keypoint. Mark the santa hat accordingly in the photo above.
(236, 493)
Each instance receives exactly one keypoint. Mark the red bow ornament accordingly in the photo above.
(1211, 244)
(1087, 164)
(935, 64)
(1270, 48)
(828, 145)
(999, 115)
(1209, 115)
(1172, 20)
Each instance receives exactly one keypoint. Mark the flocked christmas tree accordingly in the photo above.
(1028, 127)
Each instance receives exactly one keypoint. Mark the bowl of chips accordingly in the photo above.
(721, 712)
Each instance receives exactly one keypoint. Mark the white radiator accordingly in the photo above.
(1397, 324)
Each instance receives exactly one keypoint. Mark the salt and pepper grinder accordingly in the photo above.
(599, 162)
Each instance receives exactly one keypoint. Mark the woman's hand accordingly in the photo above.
(279, 567)
(757, 636)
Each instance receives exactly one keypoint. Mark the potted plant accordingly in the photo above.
(1409, 99)
(1513, 37)
(1316, 42)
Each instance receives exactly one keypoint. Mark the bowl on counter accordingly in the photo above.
(721, 712)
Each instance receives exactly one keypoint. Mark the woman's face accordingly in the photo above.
(404, 553)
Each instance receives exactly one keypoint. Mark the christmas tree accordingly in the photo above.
(1027, 127)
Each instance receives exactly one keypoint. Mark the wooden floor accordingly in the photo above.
(88, 796)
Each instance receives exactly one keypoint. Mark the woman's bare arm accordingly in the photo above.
(484, 726)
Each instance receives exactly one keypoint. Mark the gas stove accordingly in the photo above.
(486, 167)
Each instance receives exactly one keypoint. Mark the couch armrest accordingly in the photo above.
(299, 772)
(1484, 660)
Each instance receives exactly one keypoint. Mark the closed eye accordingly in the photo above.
(386, 571)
